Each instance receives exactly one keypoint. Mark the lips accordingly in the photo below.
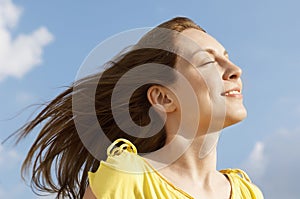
(235, 92)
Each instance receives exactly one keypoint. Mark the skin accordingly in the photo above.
(89, 194)
(211, 74)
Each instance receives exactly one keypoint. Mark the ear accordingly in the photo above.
(162, 98)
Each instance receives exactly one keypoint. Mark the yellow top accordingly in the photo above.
(127, 175)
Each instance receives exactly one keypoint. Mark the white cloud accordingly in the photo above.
(14, 192)
(51, 196)
(19, 55)
(11, 184)
(9, 13)
(19, 190)
(257, 161)
(10, 161)
(274, 163)
(9, 158)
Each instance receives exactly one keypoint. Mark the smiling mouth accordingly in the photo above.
(233, 93)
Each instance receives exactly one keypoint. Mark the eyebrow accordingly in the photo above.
(210, 51)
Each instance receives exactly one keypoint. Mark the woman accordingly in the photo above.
(190, 91)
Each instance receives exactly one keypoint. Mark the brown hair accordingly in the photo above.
(58, 160)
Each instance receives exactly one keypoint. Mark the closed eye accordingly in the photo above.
(206, 63)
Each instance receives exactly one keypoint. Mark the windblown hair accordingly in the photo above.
(58, 161)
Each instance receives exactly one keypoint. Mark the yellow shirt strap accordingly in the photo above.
(242, 173)
(239, 172)
(113, 149)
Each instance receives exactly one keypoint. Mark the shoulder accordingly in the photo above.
(89, 194)
(120, 176)
(110, 181)
(241, 185)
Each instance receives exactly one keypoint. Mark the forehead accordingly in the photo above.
(193, 40)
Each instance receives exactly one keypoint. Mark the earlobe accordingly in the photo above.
(159, 107)
(161, 98)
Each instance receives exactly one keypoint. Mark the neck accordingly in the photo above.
(193, 158)
(188, 160)
(199, 160)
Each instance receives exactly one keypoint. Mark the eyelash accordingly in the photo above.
(210, 62)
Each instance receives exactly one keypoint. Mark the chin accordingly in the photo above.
(235, 118)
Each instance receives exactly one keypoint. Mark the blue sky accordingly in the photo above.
(42, 45)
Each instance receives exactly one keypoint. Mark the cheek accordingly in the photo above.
(211, 88)
(213, 82)
(211, 76)
(215, 103)
(203, 92)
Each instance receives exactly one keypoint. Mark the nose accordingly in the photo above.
(232, 71)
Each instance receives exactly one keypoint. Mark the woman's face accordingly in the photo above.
(215, 80)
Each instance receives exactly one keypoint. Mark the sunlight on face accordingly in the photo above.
(215, 80)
